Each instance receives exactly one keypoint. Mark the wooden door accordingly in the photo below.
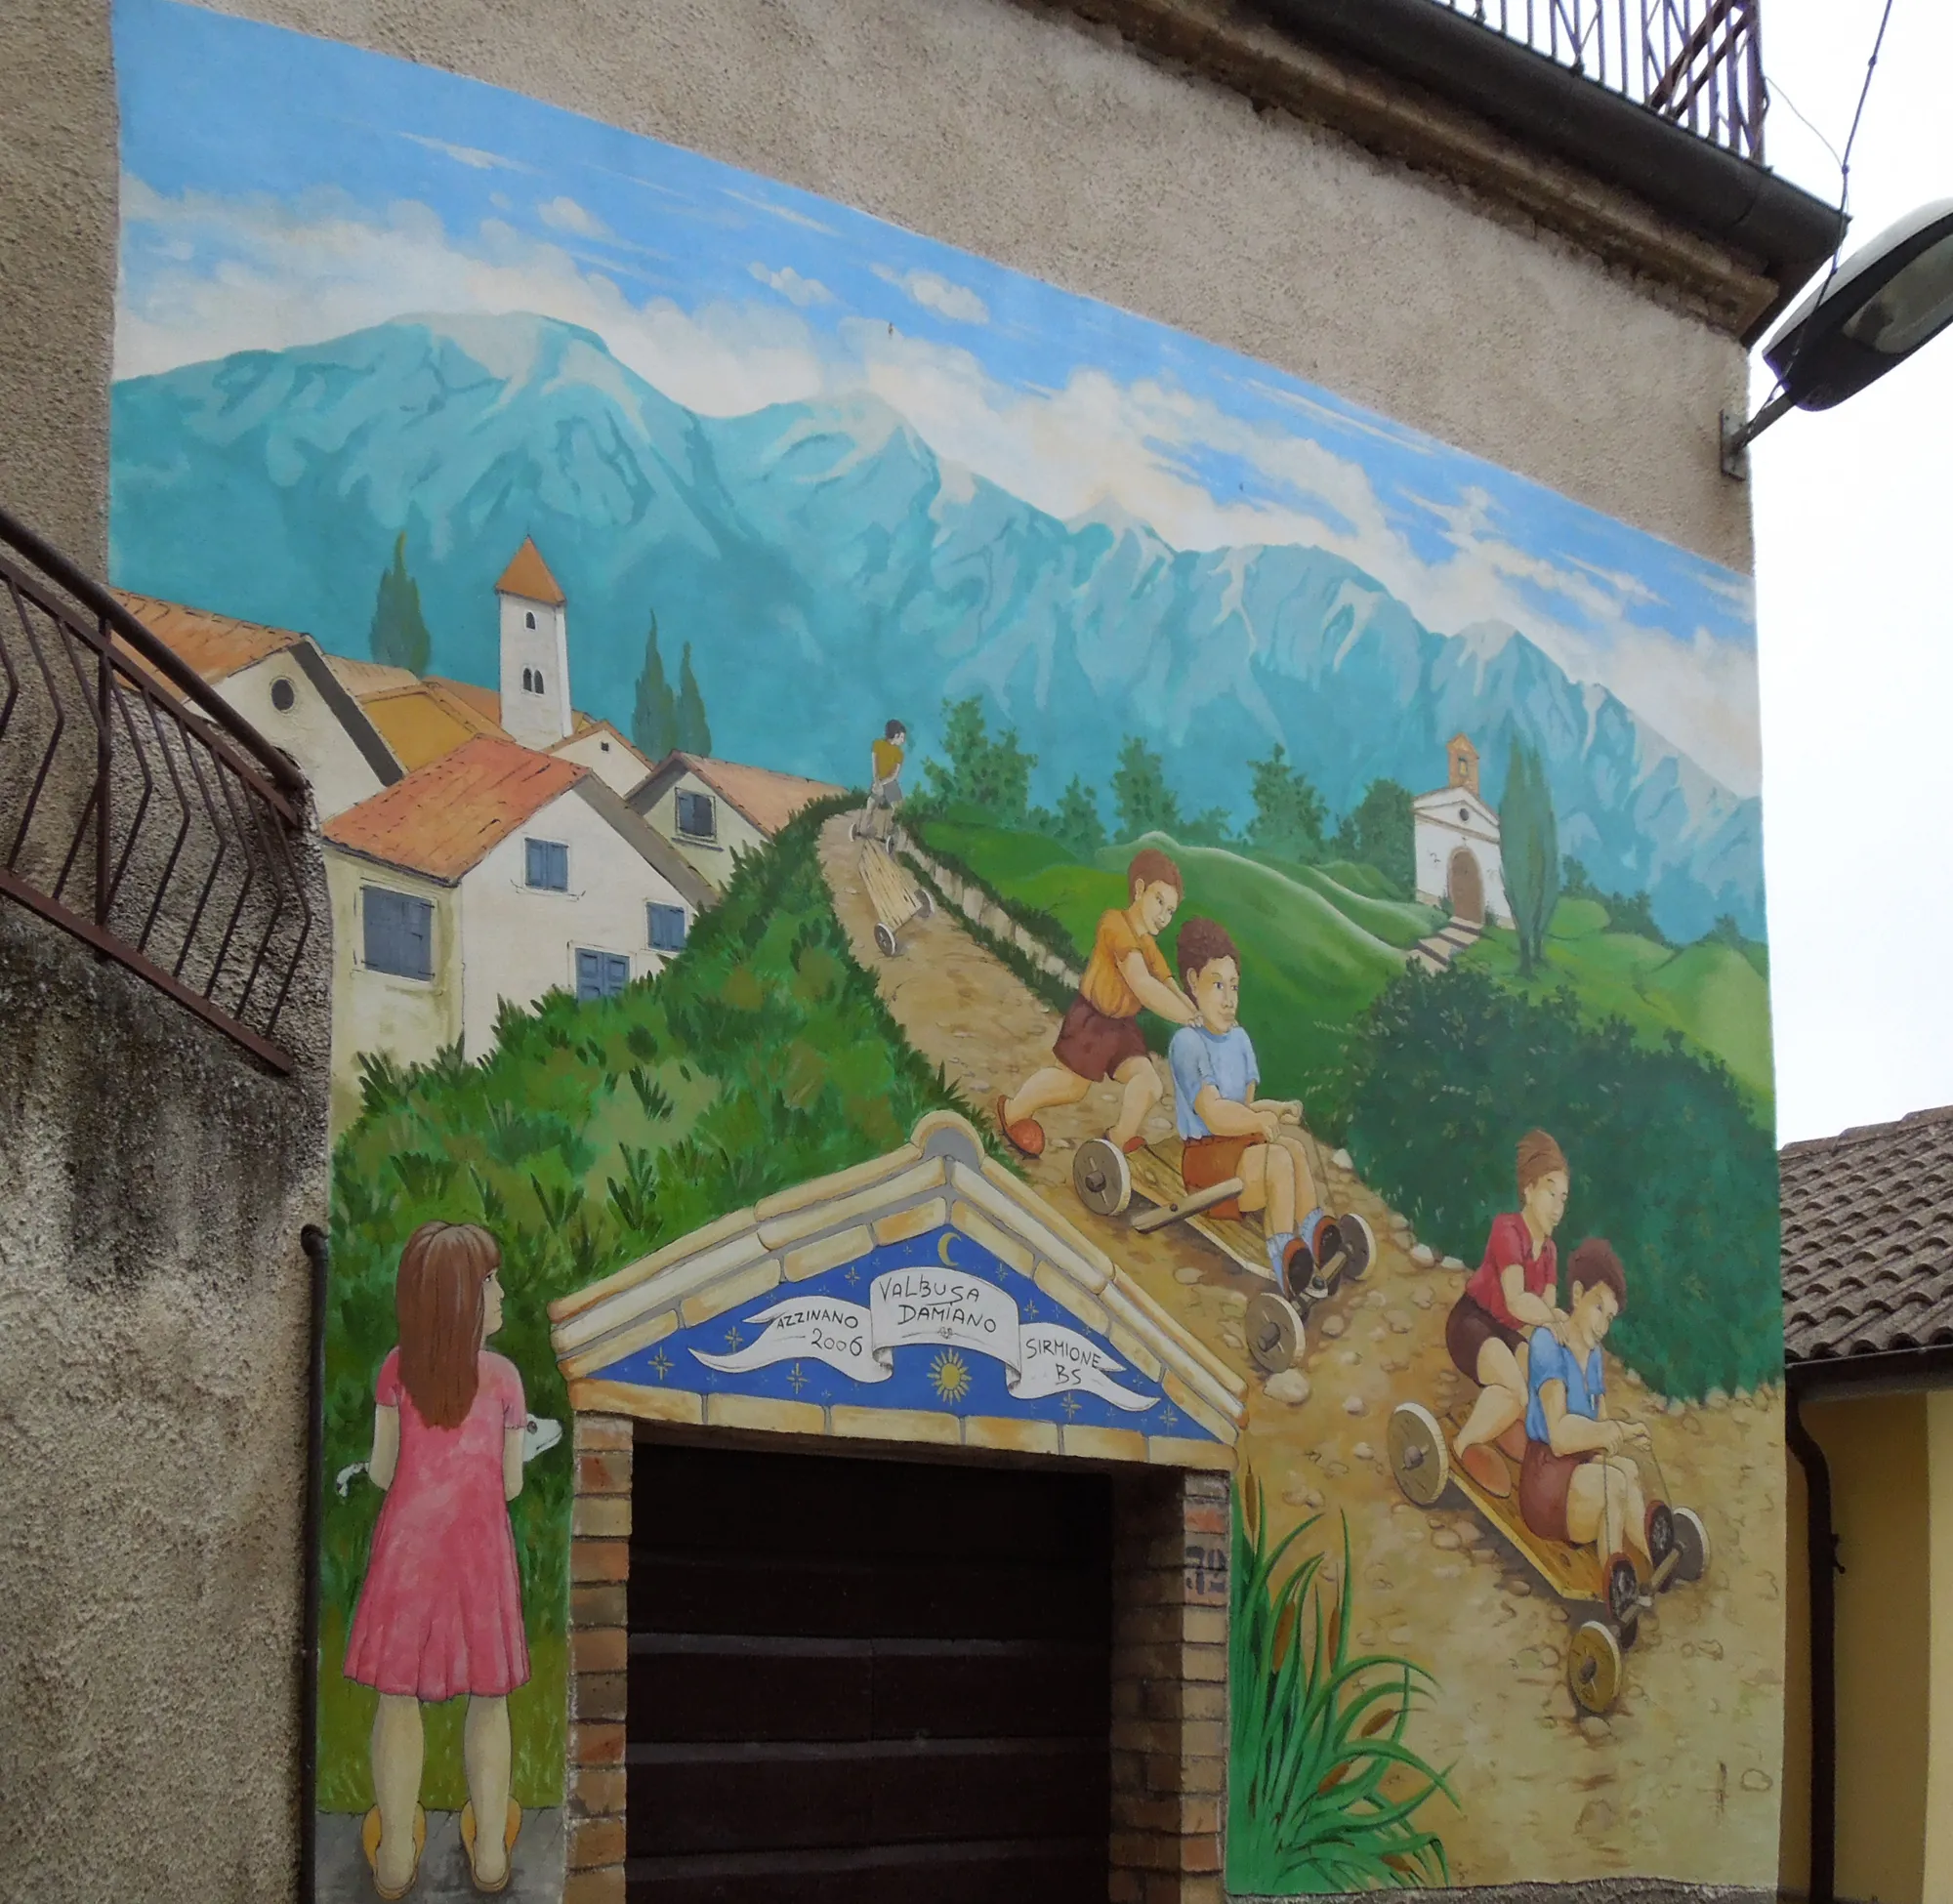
(1466, 892)
(862, 1682)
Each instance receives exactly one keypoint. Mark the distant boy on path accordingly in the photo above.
(1578, 1482)
(1225, 1130)
(884, 782)
(1100, 1037)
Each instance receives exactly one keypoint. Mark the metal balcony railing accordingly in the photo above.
(1696, 62)
(137, 809)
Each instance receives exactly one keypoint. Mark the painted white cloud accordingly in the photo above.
(791, 285)
(206, 277)
(947, 299)
(472, 156)
(563, 214)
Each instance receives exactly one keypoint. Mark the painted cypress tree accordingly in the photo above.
(694, 732)
(654, 711)
(1529, 848)
(399, 633)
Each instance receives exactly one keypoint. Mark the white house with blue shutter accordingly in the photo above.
(495, 873)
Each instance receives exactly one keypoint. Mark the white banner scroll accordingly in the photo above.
(936, 1307)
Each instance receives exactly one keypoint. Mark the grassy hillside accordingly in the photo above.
(1712, 993)
(591, 1135)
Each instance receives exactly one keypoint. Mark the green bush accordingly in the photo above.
(1317, 1731)
(1443, 1075)
(591, 1135)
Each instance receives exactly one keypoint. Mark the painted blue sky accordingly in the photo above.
(281, 189)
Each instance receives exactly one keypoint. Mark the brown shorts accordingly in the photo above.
(1545, 1478)
(1470, 1327)
(1206, 1161)
(1092, 1045)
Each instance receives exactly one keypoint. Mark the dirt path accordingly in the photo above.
(1679, 1779)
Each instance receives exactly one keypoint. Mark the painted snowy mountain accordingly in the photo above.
(829, 571)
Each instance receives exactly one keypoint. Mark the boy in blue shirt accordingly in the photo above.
(1579, 1481)
(1225, 1130)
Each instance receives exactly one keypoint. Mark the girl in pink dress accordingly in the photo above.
(441, 1612)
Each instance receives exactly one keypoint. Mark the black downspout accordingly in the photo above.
(1821, 1557)
(319, 1254)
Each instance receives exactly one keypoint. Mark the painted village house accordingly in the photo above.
(494, 874)
(713, 810)
(1868, 1334)
(874, 1528)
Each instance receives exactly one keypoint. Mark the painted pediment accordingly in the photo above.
(924, 1296)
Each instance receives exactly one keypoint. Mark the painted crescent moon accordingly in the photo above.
(942, 1251)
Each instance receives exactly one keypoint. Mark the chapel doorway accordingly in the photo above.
(1465, 887)
(858, 1681)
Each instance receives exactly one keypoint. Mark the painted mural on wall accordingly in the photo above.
(773, 683)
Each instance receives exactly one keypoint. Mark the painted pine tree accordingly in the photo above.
(399, 633)
(694, 732)
(653, 711)
(1529, 846)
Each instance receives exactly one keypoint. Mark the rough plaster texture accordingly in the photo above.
(153, 1335)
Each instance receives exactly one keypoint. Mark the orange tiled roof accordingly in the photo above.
(427, 721)
(215, 646)
(360, 679)
(767, 799)
(446, 818)
(528, 576)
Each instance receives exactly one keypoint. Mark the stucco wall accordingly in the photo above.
(154, 1332)
(710, 859)
(1936, 1879)
(341, 775)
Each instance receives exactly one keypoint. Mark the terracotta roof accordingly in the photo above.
(1868, 1239)
(360, 679)
(485, 701)
(215, 646)
(582, 725)
(767, 799)
(528, 575)
(445, 818)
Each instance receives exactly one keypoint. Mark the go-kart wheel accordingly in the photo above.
(885, 937)
(1298, 1274)
(924, 904)
(1102, 1176)
(1275, 1331)
(1360, 1246)
(1594, 1667)
(1419, 1458)
(854, 827)
(1691, 1544)
(1621, 1590)
(1660, 1540)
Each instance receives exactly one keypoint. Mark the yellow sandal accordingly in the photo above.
(511, 1830)
(369, 1843)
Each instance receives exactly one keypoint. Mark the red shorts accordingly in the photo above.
(1545, 1479)
(1470, 1326)
(1205, 1161)
(1091, 1044)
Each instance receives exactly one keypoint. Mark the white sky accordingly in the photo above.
(1856, 618)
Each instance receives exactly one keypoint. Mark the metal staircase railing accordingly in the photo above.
(139, 810)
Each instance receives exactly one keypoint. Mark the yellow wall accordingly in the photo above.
(1940, 1774)
(1876, 1447)
(1794, 1814)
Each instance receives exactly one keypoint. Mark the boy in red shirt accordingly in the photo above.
(1100, 1035)
(1513, 1292)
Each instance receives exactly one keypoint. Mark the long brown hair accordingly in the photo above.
(439, 1300)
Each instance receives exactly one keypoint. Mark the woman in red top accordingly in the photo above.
(1511, 1293)
(441, 1611)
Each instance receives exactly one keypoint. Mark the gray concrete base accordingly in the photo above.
(343, 1877)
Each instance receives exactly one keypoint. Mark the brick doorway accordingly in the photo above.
(1054, 1651)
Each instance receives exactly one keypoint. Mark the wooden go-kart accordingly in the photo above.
(1420, 1452)
(895, 898)
(1339, 1250)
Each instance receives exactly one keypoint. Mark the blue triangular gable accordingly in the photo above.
(934, 1323)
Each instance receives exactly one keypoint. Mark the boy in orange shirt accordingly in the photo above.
(1101, 1037)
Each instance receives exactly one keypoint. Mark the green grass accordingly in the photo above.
(1323, 1787)
(1713, 993)
(1396, 921)
(1359, 876)
(594, 1134)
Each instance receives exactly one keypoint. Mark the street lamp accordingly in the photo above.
(1872, 313)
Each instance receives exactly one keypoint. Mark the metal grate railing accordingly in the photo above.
(1698, 62)
(137, 809)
